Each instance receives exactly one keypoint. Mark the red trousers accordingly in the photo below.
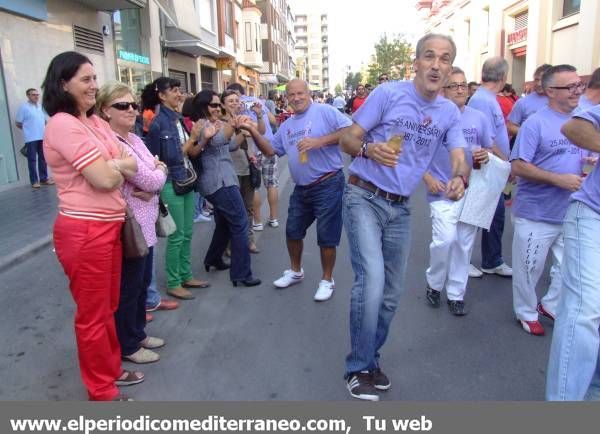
(90, 253)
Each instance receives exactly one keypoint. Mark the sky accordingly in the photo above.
(355, 26)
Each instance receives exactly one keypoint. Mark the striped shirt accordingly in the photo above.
(69, 147)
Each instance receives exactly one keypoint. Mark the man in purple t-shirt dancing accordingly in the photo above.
(549, 168)
(394, 137)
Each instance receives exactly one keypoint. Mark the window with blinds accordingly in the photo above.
(521, 20)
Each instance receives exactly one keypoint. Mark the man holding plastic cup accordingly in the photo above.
(451, 240)
(376, 211)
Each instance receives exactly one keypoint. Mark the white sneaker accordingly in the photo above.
(501, 270)
(201, 218)
(325, 290)
(474, 271)
(274, 223)
(289, 278)
(257, 227)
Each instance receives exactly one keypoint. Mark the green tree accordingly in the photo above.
(338, 89)
(353, 80)
(392, 56)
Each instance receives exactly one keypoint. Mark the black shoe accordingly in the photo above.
(360, 385)
(380, 380)
(433, 297)
(219, 266)
(250, 281)
(457, 307)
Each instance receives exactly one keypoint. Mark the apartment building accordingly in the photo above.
(312, 49)
(279, 64)
(527, 33)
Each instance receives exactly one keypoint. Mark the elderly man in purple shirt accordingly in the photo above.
(310, 140)
(394, 137)
(493, 78)
(574, 369)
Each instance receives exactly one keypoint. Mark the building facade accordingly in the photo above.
(206, 44)
(527, 33)
(312, 49)
(277, 21)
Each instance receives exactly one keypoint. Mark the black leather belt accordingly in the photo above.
(392, 197)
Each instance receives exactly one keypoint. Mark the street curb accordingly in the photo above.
(24, 252)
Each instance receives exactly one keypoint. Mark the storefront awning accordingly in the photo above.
(113, 5)
(189, 44)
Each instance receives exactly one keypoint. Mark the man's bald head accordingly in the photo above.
(295, 82)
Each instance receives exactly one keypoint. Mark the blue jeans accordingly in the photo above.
(491, 241)
(231, 224)
(130, 317)
(379, 236)
(36, 151)
(200, 203)
(574, 368)
(152, 296)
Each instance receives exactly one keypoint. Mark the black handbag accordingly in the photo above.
(132, 237)
(186, 185)
(255, 175)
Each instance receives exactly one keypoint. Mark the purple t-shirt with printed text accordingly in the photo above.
(589, 193)
(317, 121)
(397, 107)
(525, 107)
(477, 132)
(541, 143)
(486, 102)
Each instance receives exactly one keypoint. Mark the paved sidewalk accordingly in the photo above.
(25, 222)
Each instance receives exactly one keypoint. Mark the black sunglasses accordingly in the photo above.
(214, 104)
(124, 105)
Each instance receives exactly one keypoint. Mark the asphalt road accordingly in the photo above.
(266, 344)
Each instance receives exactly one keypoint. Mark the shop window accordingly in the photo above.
(571, 7)
(206, 76)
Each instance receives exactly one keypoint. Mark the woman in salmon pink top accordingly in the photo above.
(89, 166)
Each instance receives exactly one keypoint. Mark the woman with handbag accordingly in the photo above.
(168, 138)
(115, 104)
(89, 166)
(218, 182)
(243, 160)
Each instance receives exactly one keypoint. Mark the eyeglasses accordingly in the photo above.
(124, 105)
(214, 105)
(455, 86)
(572, 88)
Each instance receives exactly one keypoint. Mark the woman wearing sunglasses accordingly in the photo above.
(115, 104)
(89, 166)
(218, 182)
(168, 139)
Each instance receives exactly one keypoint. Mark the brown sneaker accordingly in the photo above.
(36, 185)
(47, 182)
(180, 293)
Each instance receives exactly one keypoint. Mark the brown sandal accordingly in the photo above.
(129, 378)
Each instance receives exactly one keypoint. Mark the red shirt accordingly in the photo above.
(358, 101)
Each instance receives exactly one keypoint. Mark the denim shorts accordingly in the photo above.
(323, 202)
